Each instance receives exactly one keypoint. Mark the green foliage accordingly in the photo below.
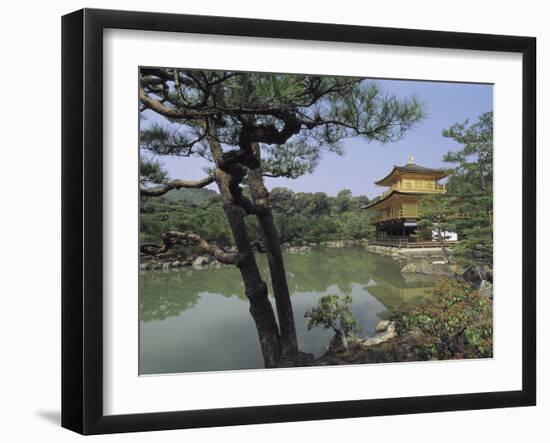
(459, 317)
(343, 200)
(191, 196)
(151, 172)
(300, 217)
(177, 210)
(353, 226)
(474, 162)
(437, 213)
(476, 247)
(315, 217)
(296, 159)
(471, 182)
(333, 312)
(167, 139)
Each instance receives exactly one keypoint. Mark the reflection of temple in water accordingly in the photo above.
(390, 295)
(392, 289)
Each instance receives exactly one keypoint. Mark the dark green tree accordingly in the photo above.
(473, 163)
(250, 125)
(471, 181)
(343, 201)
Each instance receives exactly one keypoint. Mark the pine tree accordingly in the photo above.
(471, 182)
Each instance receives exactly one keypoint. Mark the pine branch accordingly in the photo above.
(172, 237)
(157, 191)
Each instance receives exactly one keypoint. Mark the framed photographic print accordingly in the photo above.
(270, 221)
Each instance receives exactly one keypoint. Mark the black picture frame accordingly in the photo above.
(82, 215)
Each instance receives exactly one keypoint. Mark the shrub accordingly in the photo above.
(334, 312)
(459, 317)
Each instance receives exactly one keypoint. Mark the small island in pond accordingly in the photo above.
(299, 220)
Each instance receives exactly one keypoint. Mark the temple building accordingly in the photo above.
(395, 214)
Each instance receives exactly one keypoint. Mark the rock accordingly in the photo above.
(471, 275)
(457, 269)
(487, 272)
(409, 346)
(409, 268)
(145, 266)
(405, 346)
(343, 243)
(408, 254)
(335, 244)
(176, 264)
(429, 268)
(298, 249)
(201, 261)
(382, 326)
(486, 289)
(384, 336)
(257, 246)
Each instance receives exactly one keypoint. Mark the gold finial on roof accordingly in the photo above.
(410, 160)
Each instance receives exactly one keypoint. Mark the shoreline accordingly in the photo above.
(412, 262)
(203, 261)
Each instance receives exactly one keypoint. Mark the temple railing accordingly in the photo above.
(404, 243)
(396, 214)
(428, 188)
(393, 214)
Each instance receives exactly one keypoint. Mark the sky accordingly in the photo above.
(365, 162)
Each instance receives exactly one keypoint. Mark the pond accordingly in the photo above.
(198, 320)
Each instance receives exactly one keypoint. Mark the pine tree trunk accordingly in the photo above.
(270, 239)
(255, 288)
(344, 340)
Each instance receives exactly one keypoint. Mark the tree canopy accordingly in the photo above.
(295, 118)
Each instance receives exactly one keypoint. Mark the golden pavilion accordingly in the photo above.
(395, 214)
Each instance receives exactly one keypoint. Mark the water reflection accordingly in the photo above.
(198, 320)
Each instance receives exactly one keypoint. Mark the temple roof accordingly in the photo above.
(409, 168)
(390, 195)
